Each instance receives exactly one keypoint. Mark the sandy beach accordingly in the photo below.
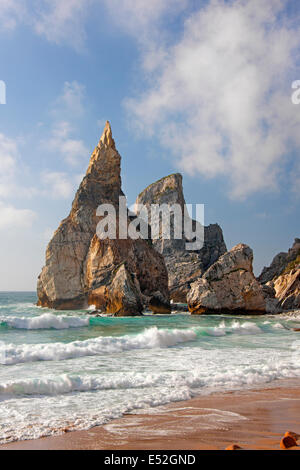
(254, 419)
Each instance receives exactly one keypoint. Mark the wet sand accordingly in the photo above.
(254, 419)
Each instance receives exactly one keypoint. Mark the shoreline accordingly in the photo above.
(254, 418)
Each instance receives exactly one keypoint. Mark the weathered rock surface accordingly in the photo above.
(184, 267)
(287, 287)
(280, 263)
(118, 276)
(144, 267)
(283, 276)
(228, 286)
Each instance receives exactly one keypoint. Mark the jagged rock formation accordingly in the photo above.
(184, 267)
(283, 275)
(287, 288)
(228, 286)
(119, 276)
(280, 263)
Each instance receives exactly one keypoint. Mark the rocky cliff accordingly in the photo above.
(229, 286)
(184, 267)
(280, 263)
(119, 276)
(283, 275)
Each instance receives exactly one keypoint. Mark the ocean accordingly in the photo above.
(70, 370)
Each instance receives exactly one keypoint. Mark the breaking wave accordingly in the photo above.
(148, 339)
(44, 321)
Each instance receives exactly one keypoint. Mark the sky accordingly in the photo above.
(201, 87)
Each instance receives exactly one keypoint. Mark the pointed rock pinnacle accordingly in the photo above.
(107, 138)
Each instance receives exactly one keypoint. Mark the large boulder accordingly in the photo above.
(121, 296)
(228, 286)
(143, 265)
(82, 269)
(283, 275)
(183, 266)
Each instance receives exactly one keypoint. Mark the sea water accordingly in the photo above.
(70, 370)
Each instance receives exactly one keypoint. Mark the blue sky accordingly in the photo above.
(200, 87)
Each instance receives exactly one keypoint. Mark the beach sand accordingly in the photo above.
(254, 419)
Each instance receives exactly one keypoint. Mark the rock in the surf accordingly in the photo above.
(228, 286)
(80, 267)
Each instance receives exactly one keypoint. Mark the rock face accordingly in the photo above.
(228, 286)
(280, 263)
(119, 276)
(283, 276)
(184, 267)
(146, 274)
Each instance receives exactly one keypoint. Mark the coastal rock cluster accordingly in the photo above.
(123, 276)
(118, 276)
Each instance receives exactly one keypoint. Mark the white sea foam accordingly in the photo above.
(112, 375)
(68, 383)
(44, 321)
(148, 339)
(247, 328)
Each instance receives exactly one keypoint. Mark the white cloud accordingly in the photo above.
(58, 185)
(72, 150)
(11, 171)
(60, 22)
(8, 155)
(71, 101)
(220, 98)
(11, 12)
(63, 21)
(11, 217)
(67, 108)
(142, 18)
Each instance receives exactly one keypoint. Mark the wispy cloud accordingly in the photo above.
(13, 218)
(71, 101)
(65, 112)
(62, 21)
(143, 19)
(11, 170)
(60, 141)
(219, 100)
(11, 13)
(57, 185)
(10, 216)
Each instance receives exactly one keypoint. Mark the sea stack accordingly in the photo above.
(184, 267)
(118, 276)
(229, 286)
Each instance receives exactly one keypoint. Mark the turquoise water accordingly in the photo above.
(68, 369)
